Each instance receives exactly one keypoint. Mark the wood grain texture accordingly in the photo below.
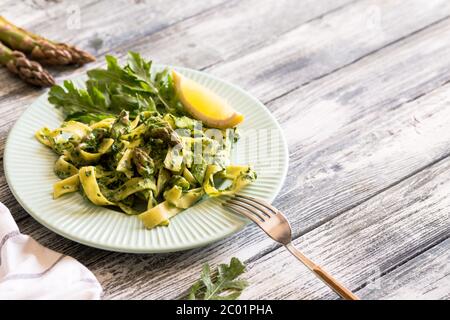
(324, 45)
(426, 276)
(79, 24)
(352, 104)
(360, 245)
(190, 33)
(360, 91)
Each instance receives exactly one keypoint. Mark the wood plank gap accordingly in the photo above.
(158, 29)
(331, 217)
(395, 107)
(413, 173)
(392, 268)
(162, 28)
(260, 45)
(355, 61)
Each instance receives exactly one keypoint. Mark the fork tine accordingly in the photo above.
(254, 204)
(259, 201)
(243, 212)
(250, 208)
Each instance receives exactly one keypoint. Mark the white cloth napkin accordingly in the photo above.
(31, 271)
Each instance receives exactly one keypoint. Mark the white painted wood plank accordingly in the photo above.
(360, 245)
(426, 277)
(341, 115)
(220, 35)
(32, 12)
(114, 21)
(324, 45)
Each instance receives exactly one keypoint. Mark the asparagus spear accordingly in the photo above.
(30, 71)
(40, 48)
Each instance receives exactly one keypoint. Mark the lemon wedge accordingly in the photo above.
(205, 105)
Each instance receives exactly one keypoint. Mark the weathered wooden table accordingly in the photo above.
(361, 89)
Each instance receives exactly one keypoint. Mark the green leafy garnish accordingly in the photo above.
(74, 100)
(140, 67)
(86, 117)
(222, 285)
(116, 88)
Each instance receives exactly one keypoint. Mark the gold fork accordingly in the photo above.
(275, 224)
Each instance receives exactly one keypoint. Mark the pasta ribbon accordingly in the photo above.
(43, 136)
(124, 164)
(103, 124)
(144, 165)
(91, 188)
(136, 143)
(161, 214)
(189, 198)
(75, 129)
(136, 133)
(239, 176)
(63, 168)
(132, 186)
(158, 215)
(127, 209)
(174, 159)
(135, 122)
(66, 186)
(103, 148)
(173, 194)
(188, 176)
(163, 177)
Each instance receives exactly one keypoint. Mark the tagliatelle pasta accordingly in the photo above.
(130, 141)
(66, 186)
(91, 187)
(152, 166)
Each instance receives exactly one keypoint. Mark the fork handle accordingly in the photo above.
(322, 274)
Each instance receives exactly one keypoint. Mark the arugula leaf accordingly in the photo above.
(139, 66)
(87, 117)
(119, 76)
(116, 88)
(72, 99)
(223, 285)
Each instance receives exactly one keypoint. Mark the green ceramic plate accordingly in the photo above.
(29, 172)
